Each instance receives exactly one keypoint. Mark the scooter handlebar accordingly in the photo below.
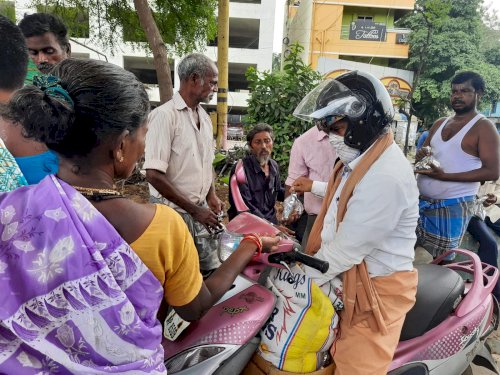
(295, 256)
(321, 265)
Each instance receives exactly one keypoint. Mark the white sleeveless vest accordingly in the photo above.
(453, 160)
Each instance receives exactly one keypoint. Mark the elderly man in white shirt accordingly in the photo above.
(366, 226)
(179, 155)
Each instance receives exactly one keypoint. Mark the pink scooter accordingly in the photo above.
(447, 328)
(443, 334)
(224, 340)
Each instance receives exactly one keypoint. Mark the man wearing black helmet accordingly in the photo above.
(366, 226)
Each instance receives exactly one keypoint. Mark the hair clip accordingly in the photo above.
(51, 86)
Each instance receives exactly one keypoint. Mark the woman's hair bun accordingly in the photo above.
(82, 104)
(43, 117)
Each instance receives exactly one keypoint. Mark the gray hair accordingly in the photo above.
(195, 63)
(259, 128)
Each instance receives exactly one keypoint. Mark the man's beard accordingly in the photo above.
(463, 109)
(45, 67)
(263, 159)
(208, 99)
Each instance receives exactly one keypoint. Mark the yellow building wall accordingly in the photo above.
(393, 4)
(326, 37)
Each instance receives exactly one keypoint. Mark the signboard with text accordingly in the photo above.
(367, 30)
(402, 38)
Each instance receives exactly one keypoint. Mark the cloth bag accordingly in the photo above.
(303, 324)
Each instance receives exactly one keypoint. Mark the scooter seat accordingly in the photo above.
(438, 292)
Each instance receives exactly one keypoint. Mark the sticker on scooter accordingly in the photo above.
(251, 297)
(234, 310)
(174, 326)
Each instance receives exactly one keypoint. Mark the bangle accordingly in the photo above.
(256, 240)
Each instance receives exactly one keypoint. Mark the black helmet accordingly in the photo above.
(356, 96)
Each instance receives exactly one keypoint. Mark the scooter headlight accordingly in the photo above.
(228, 243)
(192, 357)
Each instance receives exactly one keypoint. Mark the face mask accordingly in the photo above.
(344, 152)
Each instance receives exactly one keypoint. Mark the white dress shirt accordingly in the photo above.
(379, 224)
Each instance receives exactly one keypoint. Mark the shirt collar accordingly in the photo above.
(179, 102)
(320, 135)
(355, 162)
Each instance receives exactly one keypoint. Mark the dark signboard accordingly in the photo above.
(367, 30)
(401, 38)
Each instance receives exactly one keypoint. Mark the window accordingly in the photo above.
(236, 76)
(365, 18)
(144, 69)
(243, 33)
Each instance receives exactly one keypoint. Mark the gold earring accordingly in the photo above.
(121, 159)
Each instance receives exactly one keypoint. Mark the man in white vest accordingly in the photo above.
(466, 145)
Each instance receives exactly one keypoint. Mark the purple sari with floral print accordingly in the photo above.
(74, 297)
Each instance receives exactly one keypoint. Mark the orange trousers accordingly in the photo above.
(361, 351)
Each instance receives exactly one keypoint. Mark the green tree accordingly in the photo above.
(431, 13)
(8, 9)
(182, 25)
(446, 38)
(274, 96)
(490, 31)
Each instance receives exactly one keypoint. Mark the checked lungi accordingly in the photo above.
(443, 222)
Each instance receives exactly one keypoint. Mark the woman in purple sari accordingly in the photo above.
(83, 270)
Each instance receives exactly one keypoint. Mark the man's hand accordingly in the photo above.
(421, 153)
(215, 204)
(434, 172)
(285, 230)
(294, 216)
(207, 217)
(490, 199)
(269, 244)
(302, 184)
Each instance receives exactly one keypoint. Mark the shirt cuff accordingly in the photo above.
(158, 165)
(289, 181)
(319, 188)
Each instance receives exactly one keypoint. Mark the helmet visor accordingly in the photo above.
(330, 98)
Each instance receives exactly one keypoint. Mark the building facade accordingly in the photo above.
(251, 30)
(344, 35)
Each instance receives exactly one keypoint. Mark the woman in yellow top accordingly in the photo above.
(93, 115)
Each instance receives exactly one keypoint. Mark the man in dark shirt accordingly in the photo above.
(263, 185)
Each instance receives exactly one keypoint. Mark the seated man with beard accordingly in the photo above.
(263, 186)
